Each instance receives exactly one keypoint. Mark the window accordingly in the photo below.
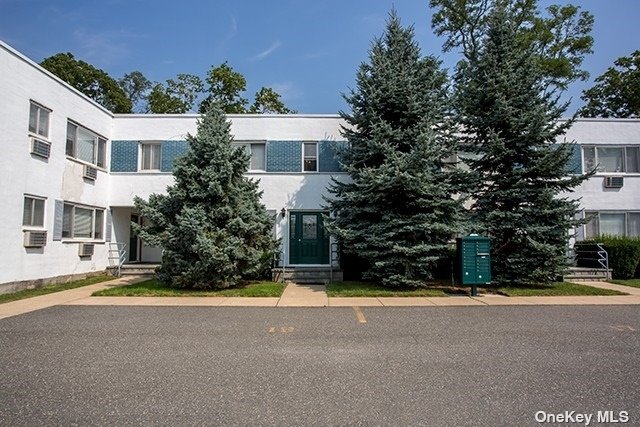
(33, 214)
(310, 157)
(612, 159)
(150, 157)
(85, 145)
(257, 152)
(39, 120)
(80, 222)
(613, 223)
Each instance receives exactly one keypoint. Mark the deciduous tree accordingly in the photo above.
(226, 87)
(91, 81)
(176, 97)
(616, 93)
(137, 88)
(558, 41)
(268, 101)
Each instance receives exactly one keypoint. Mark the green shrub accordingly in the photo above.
(624, 255)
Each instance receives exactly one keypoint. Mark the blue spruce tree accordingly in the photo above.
(397, 211)
(212, 228)
(510, 125)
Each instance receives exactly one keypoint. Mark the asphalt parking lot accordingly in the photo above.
(78, 365)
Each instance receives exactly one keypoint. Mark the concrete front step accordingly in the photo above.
(587, 274)
(322, 275)
(137, 269)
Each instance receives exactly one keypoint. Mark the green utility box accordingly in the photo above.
(474, 261)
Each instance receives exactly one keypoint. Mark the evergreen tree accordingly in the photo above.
(211, 225)
(397, 212)
(511, 125)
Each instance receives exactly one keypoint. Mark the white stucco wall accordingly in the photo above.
(55, 178)
(277, 127)
(291, 191)
(592, 193)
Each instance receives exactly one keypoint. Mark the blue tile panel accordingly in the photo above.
(328, 152)
(574, 165)
(124, 156)
(170, 150)
(284, 156)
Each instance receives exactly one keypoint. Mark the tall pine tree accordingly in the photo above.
(211, 225)
(510, 126)
(397, 211)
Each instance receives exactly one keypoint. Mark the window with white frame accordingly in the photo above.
(257, 152)
(82, 222)
(310, 157)
(33, 212)
(150, 156)
(39, 120)
(85, 145)
(612, 223)
(614, 159)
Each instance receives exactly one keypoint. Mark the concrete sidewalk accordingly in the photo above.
(26, 305)
(301, 295)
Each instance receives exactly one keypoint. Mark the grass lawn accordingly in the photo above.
(556, 289)
(367, 289)
(28, 293)
(629, 282)
(152, 288)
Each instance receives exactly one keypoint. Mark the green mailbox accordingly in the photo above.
(474, 261)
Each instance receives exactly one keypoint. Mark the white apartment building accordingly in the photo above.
(70, 170)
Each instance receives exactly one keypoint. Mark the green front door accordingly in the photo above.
(308, 240)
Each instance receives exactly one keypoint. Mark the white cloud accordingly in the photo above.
(233, 30)
(287, 90)
(274, 46)
(104, 48)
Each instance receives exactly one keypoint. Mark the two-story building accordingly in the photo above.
(70, 170)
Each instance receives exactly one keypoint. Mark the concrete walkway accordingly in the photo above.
(302, 295)
(26, 305)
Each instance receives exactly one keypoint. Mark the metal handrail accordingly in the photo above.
(334, 256)
(603, 256)
(121, 250)
(596, 253)
(277, 257)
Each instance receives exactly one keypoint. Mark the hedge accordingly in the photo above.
(624, 255)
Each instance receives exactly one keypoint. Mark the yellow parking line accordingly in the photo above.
(360, 315)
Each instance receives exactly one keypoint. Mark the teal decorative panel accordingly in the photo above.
(284, 156)
(171, 150)
(328, 153)
(124, 156)
(574, 166)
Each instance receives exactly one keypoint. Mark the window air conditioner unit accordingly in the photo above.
(613, 181)
(35, 239)
(86, 249)
(40, 148)
(90, 173)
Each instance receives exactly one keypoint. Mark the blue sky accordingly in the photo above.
(306, 50)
